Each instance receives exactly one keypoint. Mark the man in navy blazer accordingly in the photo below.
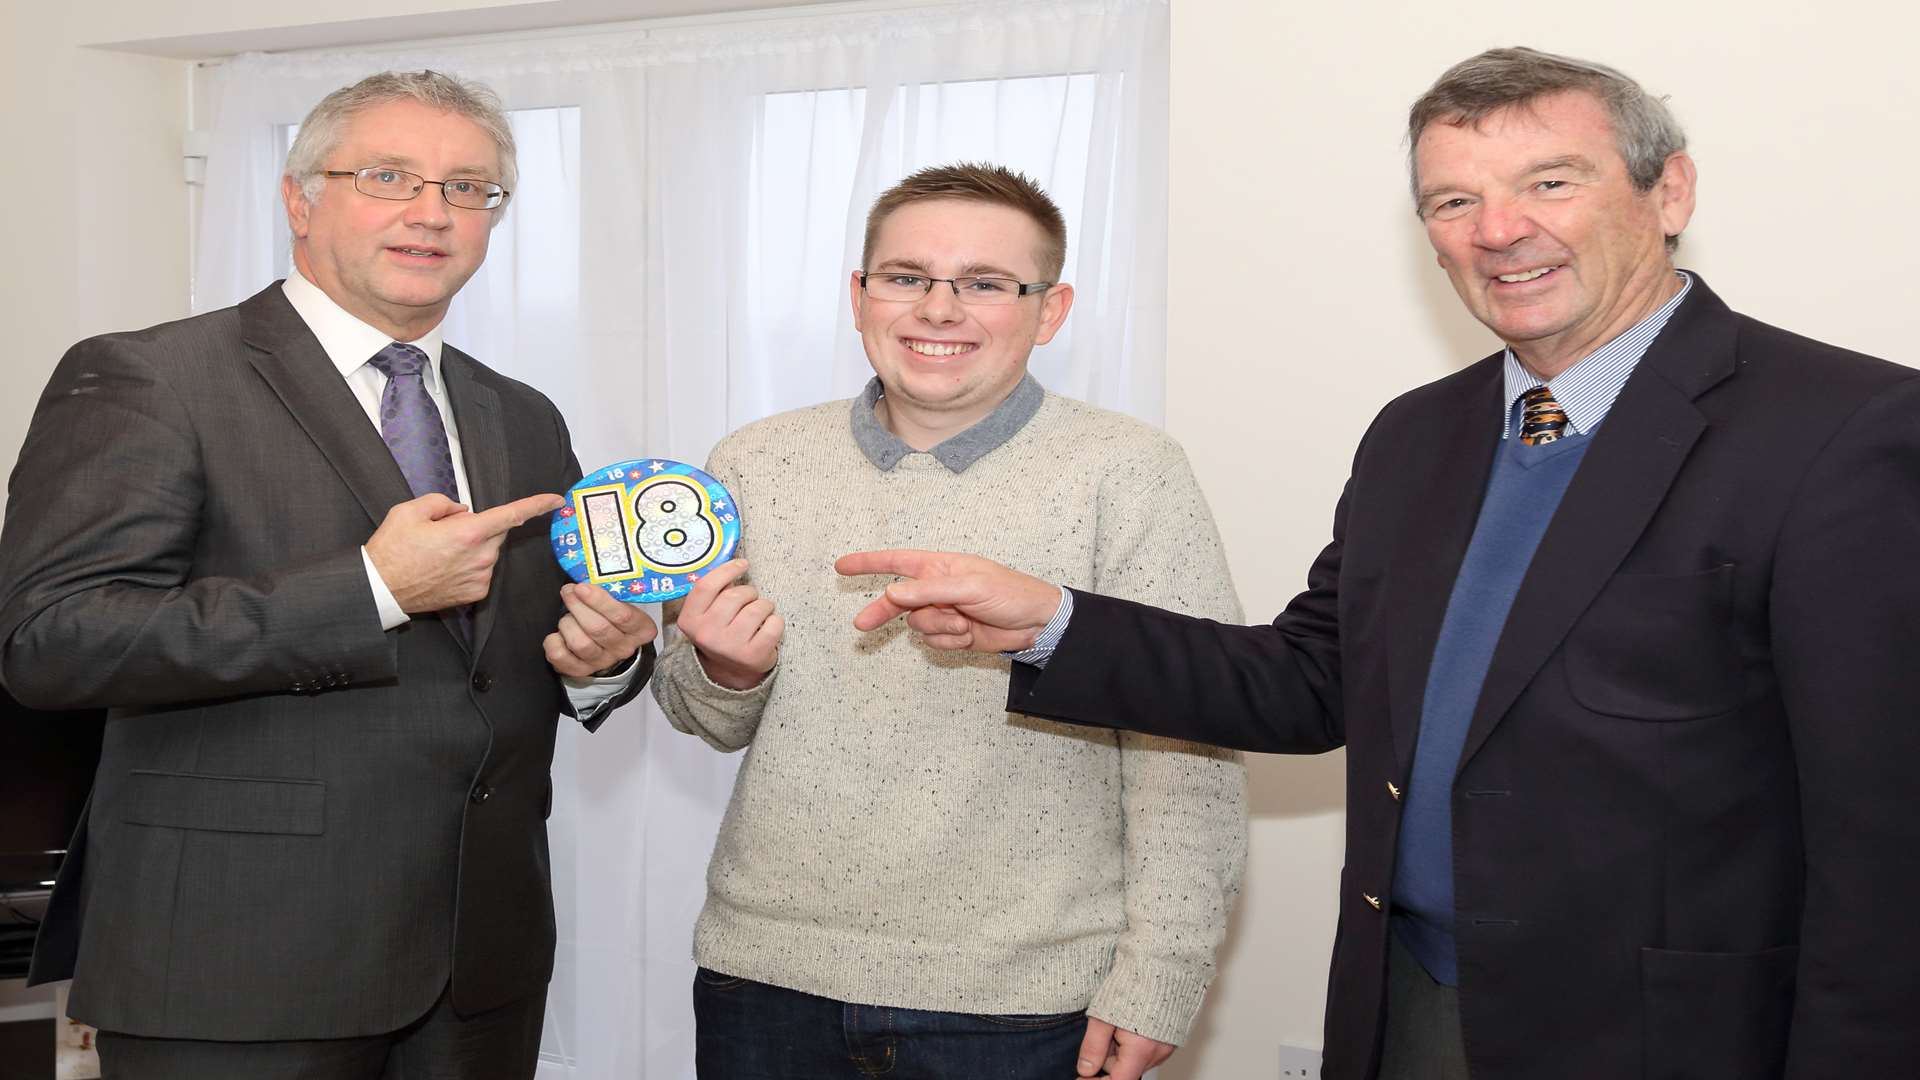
(1618, 627)
(297, 549)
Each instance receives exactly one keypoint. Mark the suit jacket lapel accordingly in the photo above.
(483, 448)
(1633, 461)
(1445, 481)
(290, 359)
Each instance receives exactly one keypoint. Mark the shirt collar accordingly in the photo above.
(885, 449)
(1588, 389)
(348, 342)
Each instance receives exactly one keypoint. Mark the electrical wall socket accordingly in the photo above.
(1297, 1063)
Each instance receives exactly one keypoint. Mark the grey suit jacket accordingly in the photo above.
(302, 826)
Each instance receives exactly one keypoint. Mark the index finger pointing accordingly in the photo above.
(518, 512)
(905, 562)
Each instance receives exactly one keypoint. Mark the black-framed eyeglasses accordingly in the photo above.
(971, 289)
(382, 182)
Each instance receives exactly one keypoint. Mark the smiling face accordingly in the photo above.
(947, 365)
(395, 265)
(1537, 225)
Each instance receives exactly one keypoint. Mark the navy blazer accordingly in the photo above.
(1682, 837)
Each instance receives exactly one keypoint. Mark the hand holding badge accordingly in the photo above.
(645, 530)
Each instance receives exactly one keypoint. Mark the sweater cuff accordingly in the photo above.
(713, 691)
(1150, 997)
(697, 705)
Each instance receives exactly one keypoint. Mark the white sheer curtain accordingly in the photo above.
(674, 264)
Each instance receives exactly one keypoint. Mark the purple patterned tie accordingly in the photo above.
(413, 430)
(411, 424)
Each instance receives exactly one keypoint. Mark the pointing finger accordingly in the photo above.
(509, 516)
(950, 592)
(903, 561)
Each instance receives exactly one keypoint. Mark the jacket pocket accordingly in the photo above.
(1717, 1015)
(247, 804)
(1657, 647)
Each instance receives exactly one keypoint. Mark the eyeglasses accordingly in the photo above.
(399, 185)
(969, 290)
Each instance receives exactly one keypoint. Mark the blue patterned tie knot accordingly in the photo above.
(410, 422)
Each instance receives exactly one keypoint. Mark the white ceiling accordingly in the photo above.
(419, 20)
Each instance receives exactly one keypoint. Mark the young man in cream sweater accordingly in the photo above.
(909, 878)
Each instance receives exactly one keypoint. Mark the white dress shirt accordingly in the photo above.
(350, 344)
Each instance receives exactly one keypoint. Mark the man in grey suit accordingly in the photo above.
(316, 844)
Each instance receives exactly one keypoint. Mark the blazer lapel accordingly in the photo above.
(1445, 482)
(290, 359)
(1633, 461)
(483, 448)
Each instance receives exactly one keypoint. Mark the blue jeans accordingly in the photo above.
(751, 1031)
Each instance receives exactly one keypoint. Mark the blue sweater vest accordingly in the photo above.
(1523, 491)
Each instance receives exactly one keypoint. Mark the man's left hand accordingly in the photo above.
(1118, 1053)
(597, 632)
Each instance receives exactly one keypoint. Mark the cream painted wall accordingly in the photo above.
(92, 208)
(1303, 296)
(92, 223)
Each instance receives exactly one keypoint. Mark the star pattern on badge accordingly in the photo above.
(654, 466)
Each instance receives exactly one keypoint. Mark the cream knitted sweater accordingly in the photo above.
(895, 836)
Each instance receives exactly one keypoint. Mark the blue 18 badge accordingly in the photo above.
(645, 530)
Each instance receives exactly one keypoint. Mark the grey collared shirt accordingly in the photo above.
(885, 449)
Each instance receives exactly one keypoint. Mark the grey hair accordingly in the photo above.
(321, 131)
(1475, 88)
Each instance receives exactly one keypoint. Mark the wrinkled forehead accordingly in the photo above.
(1561, 126)
(408, 135)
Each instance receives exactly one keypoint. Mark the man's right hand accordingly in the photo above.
(434, 553)
(955, 601)
(734, 630)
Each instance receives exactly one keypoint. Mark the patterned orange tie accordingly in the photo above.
(1542, 420)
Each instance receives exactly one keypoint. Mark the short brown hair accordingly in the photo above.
(978, 182)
